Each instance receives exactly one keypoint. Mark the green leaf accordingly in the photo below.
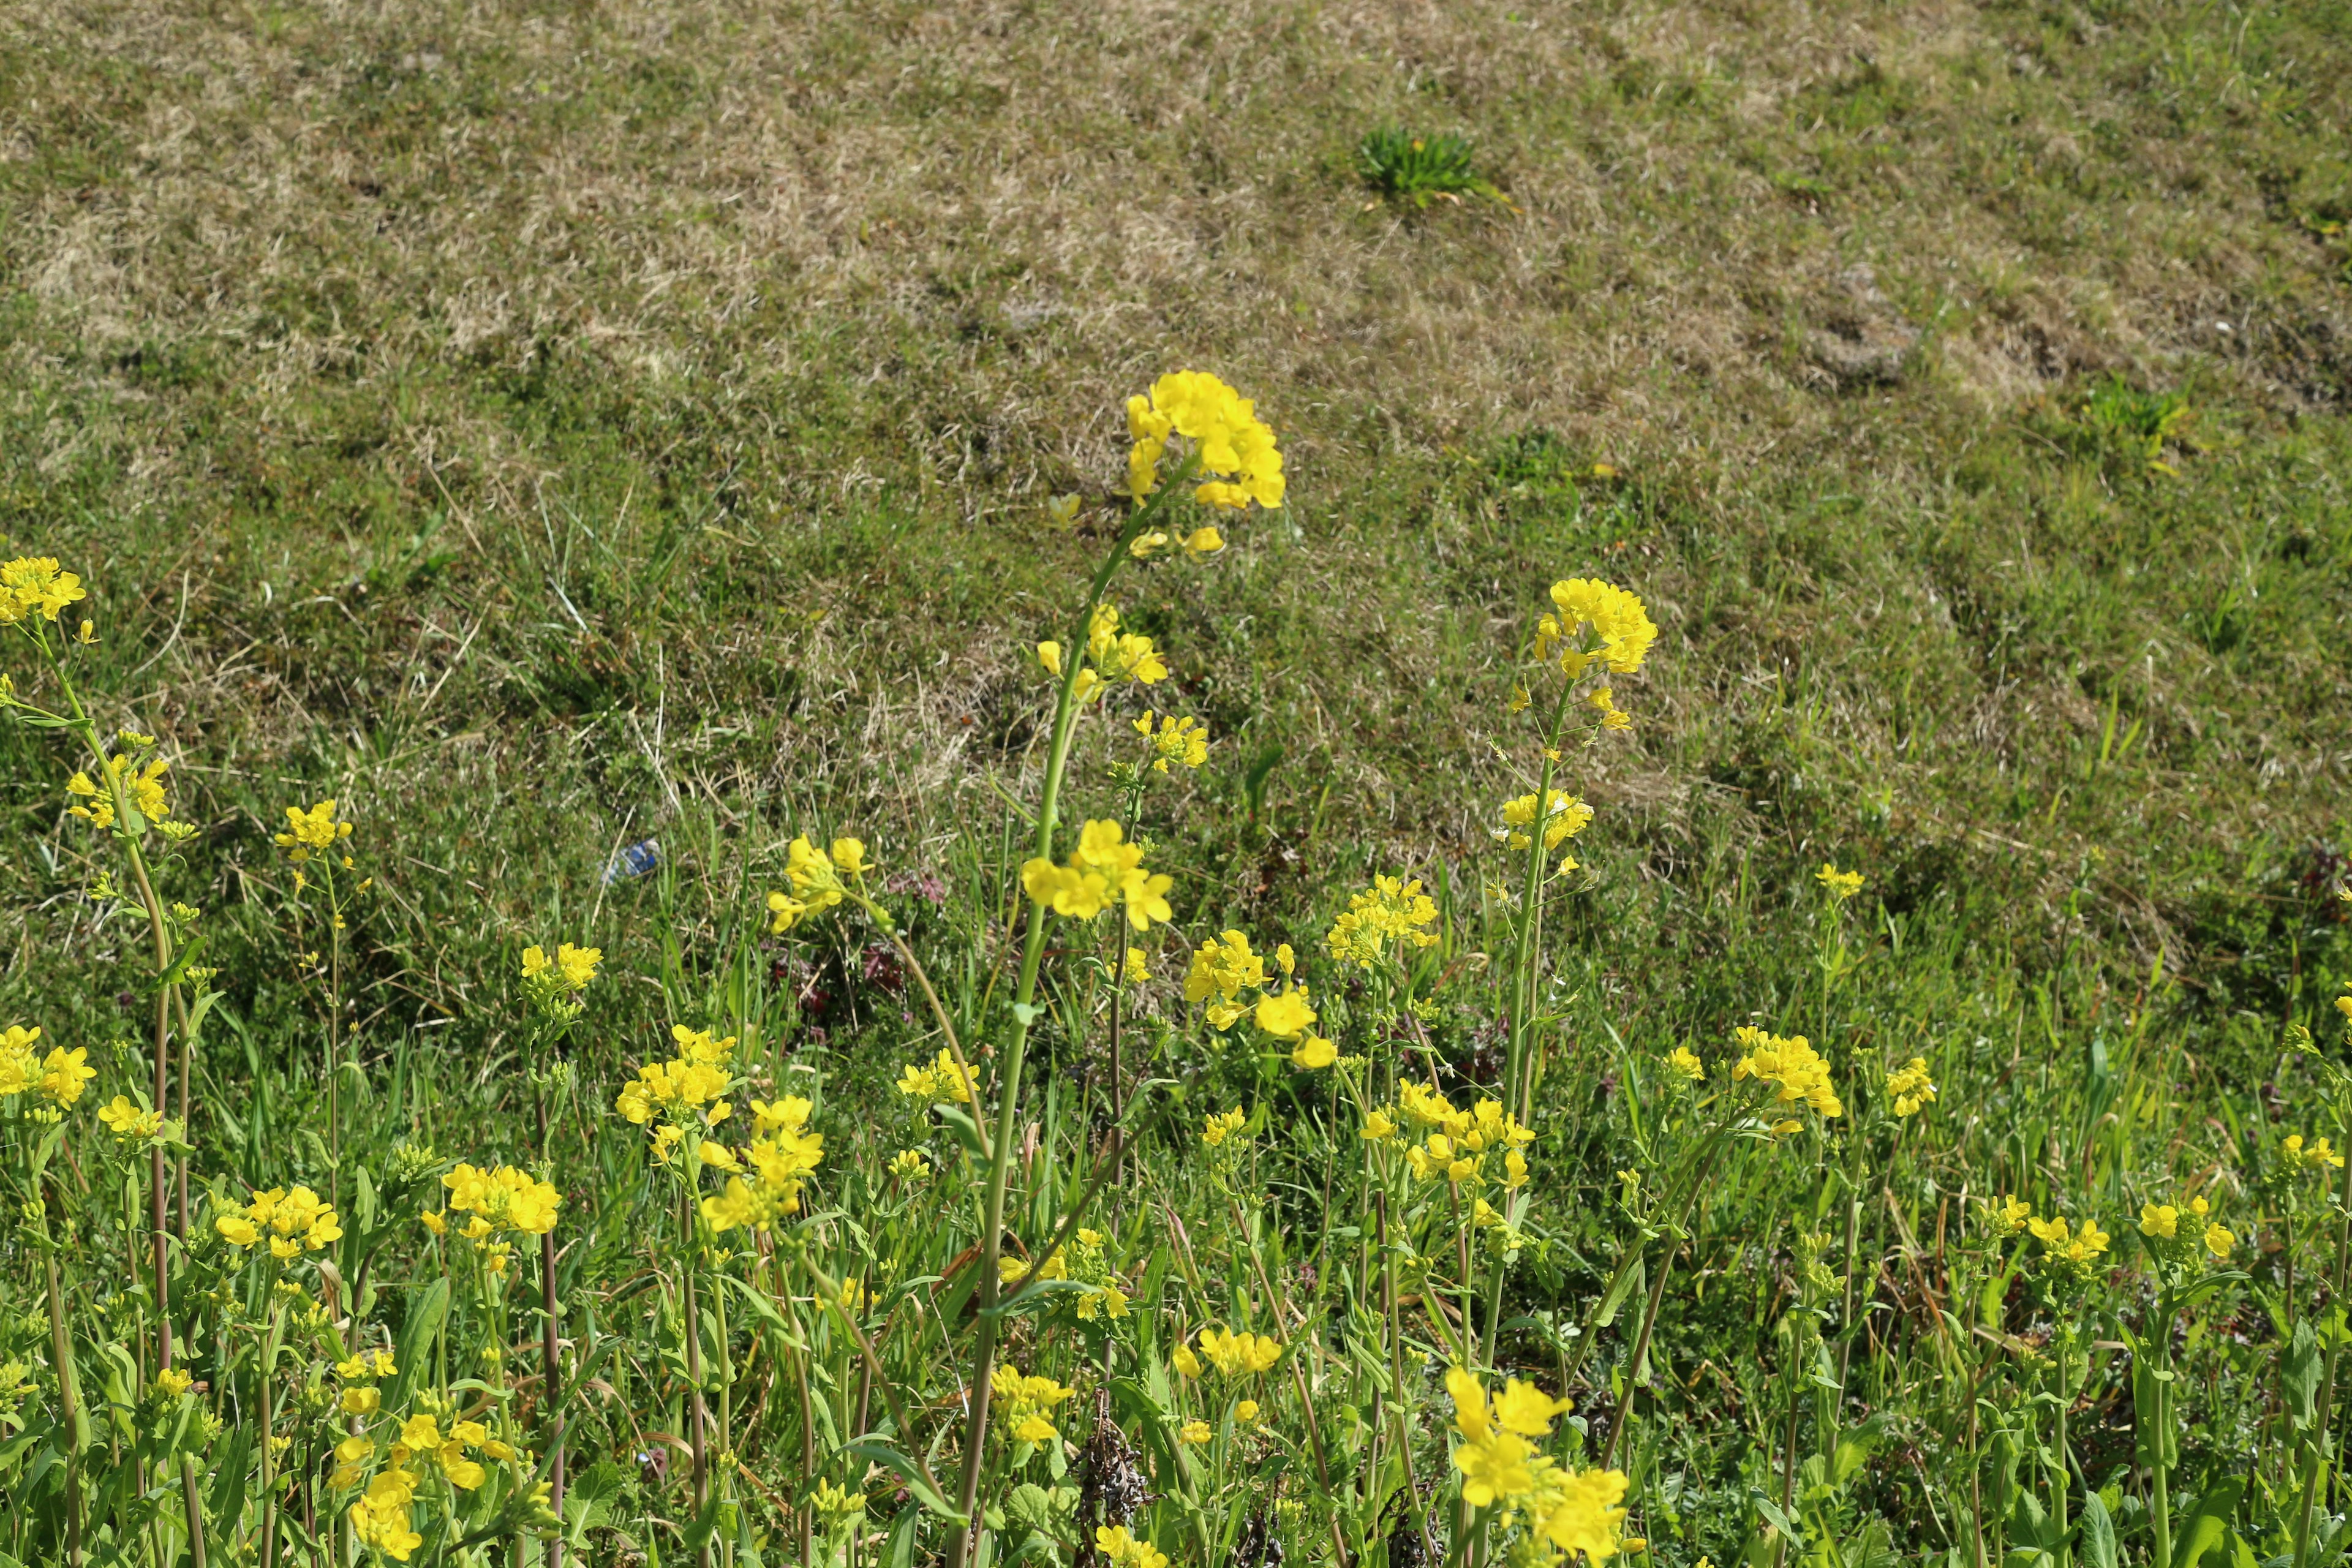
(876, 1451)
(426, 1310)
(2208, 1524)
(1776, 1519)
(1628, 1282)
(2098, 1533)
(2299, 1374)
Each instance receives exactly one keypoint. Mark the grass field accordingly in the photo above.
(544, 427)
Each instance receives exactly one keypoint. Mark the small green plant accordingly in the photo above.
(2122, 415)
(1406, 166)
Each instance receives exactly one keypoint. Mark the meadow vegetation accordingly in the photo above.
(637, 484)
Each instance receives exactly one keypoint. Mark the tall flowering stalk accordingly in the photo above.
(1234, 459)
(121, 794)
(552, 989)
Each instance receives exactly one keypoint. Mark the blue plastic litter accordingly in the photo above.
(634, 861)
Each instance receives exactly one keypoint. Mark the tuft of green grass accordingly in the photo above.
(1413, 166)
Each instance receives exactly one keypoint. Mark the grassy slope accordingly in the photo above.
(527, 420)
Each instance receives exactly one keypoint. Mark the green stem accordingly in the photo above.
(1008, 1085)
(69, 1405)
(1523, 980)
(2318, 1438)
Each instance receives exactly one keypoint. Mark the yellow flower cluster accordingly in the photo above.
(1111, 655)
(941, 1083)
(1234, 446)
(292, 1220)
(783, 1157)
(1104, 870)
(59, 1076)
(697, 1076)
(1564, 816)
(1683, 1063)
(1239, 1354)
(1911, 1085)
(1391, 911)
(1221, 1126)
(358, 1375)
(1120, 1550)
(502, 1199)
(1622, 631)
(1184, 740)
(1081, 1262)
(1224, 968)
(129, 1122)
(2072, 1251)
(1026, 1400)
(815, 875)
(380, 1516)
(1566, 1511)
(143, 784)
(32, 586)
(2160, 1224)
(1611, 716)
(308, 832)
(571, 969)
(2317, 1157)
(1456, 1143)
(1839, 885)
(1792, 1064)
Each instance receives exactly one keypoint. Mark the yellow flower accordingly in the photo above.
(1621, 625)
(1841, 885)
(1283, 1015)
(939, 1083)
(1792, 1065)
(1564, 818)
(1314, 1052)
(2011, 1216)
(1580, 1511)
(1246, 1411)
(1203, 543)
(171, 1382)
(1378, 1126)
(19, 1064)
(362, 1401)
(1391, 911)
(1196, 1432)
(910, 1164)
(1238, 1354)
(2161, 1221)
(1049, 654)
(1136, 969)
(128, 1121)
(2319, 1157)
(307, 832)
(1104, 870)
(1611, 716)
(1224, 968)
(1184, 740)
(1524, 1408)
(2218, 1240)
(571, 969)
(1233, 445)
(1222, 1125)
(1911, 1087)
(32, 586)
(1185, 1361)
(63, 1073)
(1120, 1550)
(1685, 1061)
